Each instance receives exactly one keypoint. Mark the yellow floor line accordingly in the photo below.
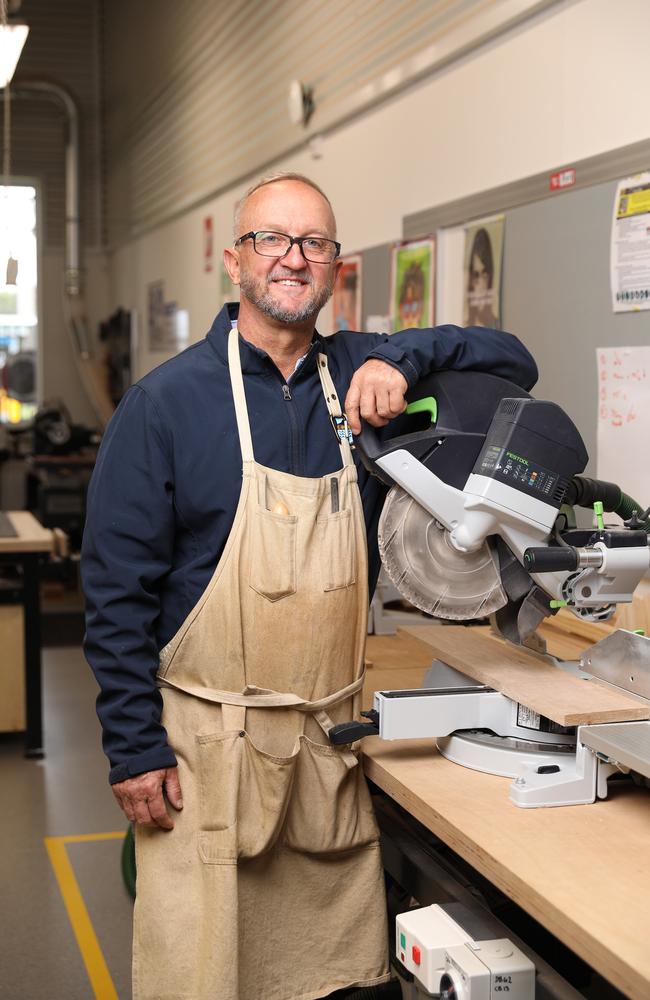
(100, 978)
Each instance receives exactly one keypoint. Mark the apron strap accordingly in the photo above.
(241, 410)
(333, 405)
(239, 396)
(254, 697)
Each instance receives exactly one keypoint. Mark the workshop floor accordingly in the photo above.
(66, 795)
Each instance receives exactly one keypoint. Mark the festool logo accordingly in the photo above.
(517, 458)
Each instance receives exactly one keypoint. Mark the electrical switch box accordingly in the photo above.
(447, 962)
(423, 936)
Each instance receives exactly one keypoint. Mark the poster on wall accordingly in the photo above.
(623, 418)
(346, 297)
(482, 270)
(413, 284)
(168, 326)
(630, 245)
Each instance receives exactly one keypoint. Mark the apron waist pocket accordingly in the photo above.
(312, 802)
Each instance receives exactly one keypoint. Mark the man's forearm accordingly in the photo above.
(416, 353)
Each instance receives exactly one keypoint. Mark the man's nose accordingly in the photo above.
(294, 258)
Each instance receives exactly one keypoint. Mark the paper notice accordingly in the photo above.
(378, 324)
(630, 245)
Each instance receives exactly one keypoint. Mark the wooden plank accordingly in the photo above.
(569, 624)
(31, 537)
(12, 669)
(399, 651)
(581, 871)
(528, 677)
(563, 645)
(396, 661)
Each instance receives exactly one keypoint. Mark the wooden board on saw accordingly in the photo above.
(528, 677)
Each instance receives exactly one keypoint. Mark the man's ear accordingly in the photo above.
(338, 264)
(231, 264)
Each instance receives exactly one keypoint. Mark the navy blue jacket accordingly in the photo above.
(164, 491)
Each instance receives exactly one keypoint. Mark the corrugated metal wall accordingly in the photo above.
(196, 92)
(62, 48)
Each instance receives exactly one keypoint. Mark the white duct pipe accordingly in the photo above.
(92, 376)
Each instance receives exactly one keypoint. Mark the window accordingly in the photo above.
(18, 304)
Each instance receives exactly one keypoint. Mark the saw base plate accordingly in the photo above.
(502, 755)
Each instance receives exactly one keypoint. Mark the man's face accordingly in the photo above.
(480, 277)
(288, 289)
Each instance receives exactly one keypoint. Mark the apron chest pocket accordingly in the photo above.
(273, 554)
(337, 562)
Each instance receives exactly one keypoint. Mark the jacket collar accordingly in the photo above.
(253, 359)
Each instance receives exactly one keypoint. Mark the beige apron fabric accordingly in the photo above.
(270, 886)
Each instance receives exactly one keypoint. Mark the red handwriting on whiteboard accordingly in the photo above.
(618, 376)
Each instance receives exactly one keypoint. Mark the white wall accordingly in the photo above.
(60, 377)
(567, 85)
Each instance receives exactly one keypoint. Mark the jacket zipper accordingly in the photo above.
(295, 432)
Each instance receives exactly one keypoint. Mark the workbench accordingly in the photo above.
(26, 548)
(581, 871)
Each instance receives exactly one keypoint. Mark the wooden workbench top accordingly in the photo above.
(582, 871)
(30, 536)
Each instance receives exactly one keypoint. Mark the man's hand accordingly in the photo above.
(376, 393)
(141, 798)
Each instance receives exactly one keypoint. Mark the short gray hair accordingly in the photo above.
(280, 175)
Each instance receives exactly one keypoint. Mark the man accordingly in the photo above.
(226, 573)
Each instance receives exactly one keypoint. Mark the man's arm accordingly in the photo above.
(377, 394)
(127, 550)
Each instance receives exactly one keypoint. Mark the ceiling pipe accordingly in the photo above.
(92, 375)
(54, 92)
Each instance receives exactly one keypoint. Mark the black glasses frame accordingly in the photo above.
(299, 240)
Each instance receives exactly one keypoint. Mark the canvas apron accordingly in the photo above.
(270, 886)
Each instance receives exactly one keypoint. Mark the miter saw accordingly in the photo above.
(480, 522)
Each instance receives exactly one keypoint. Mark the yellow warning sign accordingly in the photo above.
(633, 201)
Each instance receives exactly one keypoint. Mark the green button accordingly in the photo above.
(402, 941)
(557, 604)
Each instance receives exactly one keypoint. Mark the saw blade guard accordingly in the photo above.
(430, 573)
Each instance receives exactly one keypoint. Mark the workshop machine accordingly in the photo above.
(480, 522)
(446, 961)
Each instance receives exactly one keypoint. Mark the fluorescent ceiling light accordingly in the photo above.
(12, 39)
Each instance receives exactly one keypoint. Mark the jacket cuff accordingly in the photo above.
(396, 357)
(150, 760)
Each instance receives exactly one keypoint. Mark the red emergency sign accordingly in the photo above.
(562, 179)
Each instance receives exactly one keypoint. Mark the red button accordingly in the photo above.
(417, 958)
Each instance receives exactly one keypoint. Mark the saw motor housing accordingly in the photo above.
(476, 522)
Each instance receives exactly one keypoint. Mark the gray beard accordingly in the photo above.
(265, 302)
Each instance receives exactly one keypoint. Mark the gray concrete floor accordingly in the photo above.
(65, 794)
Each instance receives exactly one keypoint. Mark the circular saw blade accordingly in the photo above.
(430, 573)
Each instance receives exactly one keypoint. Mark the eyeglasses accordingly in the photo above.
(313, 248)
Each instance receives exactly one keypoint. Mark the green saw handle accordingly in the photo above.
(426, 405)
